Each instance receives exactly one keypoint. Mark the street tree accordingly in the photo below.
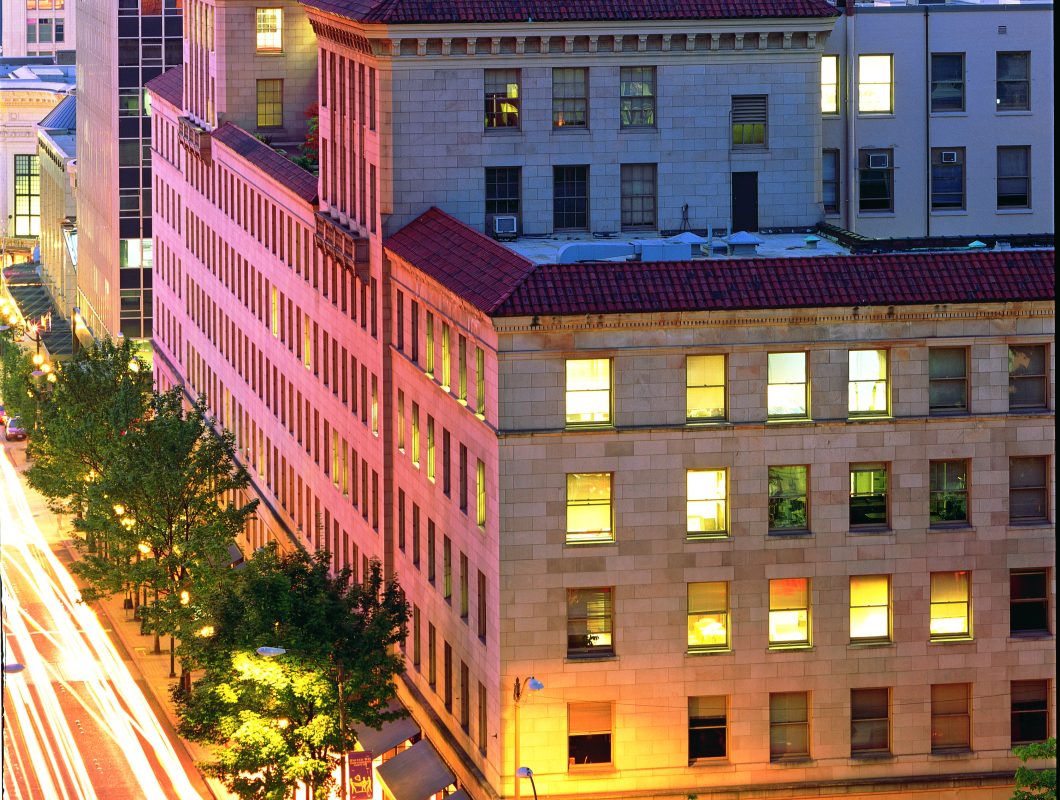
(336, 675)
(1031, 783)
(16, 385)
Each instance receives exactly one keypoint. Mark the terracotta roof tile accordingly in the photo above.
(448, 11)
(460, 258)
(276, 166)
(169, 86)
(822, 281)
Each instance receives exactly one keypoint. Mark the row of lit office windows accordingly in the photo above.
(590, 516)
(591, 618)
(589, 385)
(870, 714)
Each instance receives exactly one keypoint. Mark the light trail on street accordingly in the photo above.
(76, 724)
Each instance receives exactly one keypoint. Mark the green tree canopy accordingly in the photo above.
(1036, 784)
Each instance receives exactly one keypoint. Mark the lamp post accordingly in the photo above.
(526, 772)
(534, 685)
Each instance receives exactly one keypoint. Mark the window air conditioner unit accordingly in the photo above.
(949, 156)
(879, 161)
(505, 225)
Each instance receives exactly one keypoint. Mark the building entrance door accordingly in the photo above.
(744, 201)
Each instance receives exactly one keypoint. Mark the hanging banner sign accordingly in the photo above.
(360, 766)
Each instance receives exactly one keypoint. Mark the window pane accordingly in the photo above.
(868, 381)
(502, 98)
(589, 622)
(869, 720)
(1030, 711)
(705, 387)
(950, 718)
(637, 103)
(588, 391)
(589, 733)
(788, 498)
(569, 97)
(706, 727)
(638, 187)
(589, 507)
(870, 607)
(789, 725)
(270, 29)
(947, 82)
(786, 390)
(829, 84)
(947, 378)
(868, 495)
(1027, 376)
(874, 84)
(707, 501)
(570, 198)
(1028, 494)
(708, 616)
(949, 605)
(949, 491)
(789, 611)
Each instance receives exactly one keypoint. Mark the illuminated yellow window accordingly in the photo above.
(270, 30)
(270, 103)
(950, 605)
(461, 367)
(480, 493)
(430, 448)
(345, 470)
(501, 90)
(446, 356)
(589, 508)
(787, 392)
(789, 612)
(870, 608)
(430, 344)
(707, 502)
(589, 391)
(480, 381)
(708, 616)
(876, 84)
(416, 435)
(829, 84)
(401, 421)
(275, 311)
(868, 383)
(335, 474)
(375, 405)
(307, 344)
(705, 388)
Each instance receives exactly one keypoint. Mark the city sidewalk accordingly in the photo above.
(150, 671)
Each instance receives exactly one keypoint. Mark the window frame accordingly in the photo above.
(999, 81)
(570, 219)
(937, 83)
(863, 85)
(862, 751)
(870, 467)
(948, 410)
(937, 170)
(1015, 377)
(502, 119)
(938, 715)
(693, 419)
(1042, 489)
(1026, 177)
(718, 533)
(694, 610)
(259, 33)
(1024, 713)
(592, 423)
(879, 639)
(834, 94)
(497, 178)
(605, 620)
(753, 131)
(854, 413)
(941, 494)
(964, 577)
(636, 219)
(266, 107)
(782, 497)
(774, 754)
(1041, 600)
(572, 764)
(805, 643)
(805, 413)
(882, 177)
(558, 121)
(602, 536)
(706, 723)
(627, 100)
(826, 153)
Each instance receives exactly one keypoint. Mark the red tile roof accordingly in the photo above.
(460, 258)
(273, 164)
(470, 11)
(821, 281)
(169, 86)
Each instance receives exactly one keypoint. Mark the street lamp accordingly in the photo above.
(534, 685)
(526, 772)
(269, 652)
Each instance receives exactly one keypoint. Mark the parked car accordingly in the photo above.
(13, 429)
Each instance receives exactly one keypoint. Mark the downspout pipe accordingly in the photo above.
(850, 163)
(927, 120)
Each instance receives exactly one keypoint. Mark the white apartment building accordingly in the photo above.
(937, 120)
(38, 28)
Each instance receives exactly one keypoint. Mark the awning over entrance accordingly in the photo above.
(416, 773)
(390, 735)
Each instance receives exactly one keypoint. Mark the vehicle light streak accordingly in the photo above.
(51, 617)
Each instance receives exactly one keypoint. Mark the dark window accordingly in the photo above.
(830, 181)
(868, 495)
(1013, 81)
(570, 97)
(637, 102)
(502, 192)
(1028, 494)
(870, 723)
(788, 499)
(951, 717)
(589, 622)
(482, 607)
(638, 196)
(501, 87)
(570, 198)
(947, 81)
(1013, 177)
(947, 379)
(1028, 602)
(1027, 379)
(1030, 711)
(589, 733)
(876, 180)
(949, 492)
(789, 725)
(707, 724)
(947, 178)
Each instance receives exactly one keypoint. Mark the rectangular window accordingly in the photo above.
(870, 721)
(432, 656)
(570, 198)
(829, 84)
(951, 597)
(788, 499)
(876, 180)
(789, 612)
(501, 91)
(589, 623)
(947, 178)
(1028, 491)
(447, 569)
(480, 492)
(431, 460)
(27, 196)
(588, 733)
(465, 697)
(270, 30)
(949, 493)
(789, 725)
(431, 550)
(868, 495)
(708, 616)
(483, 731)
(705, 388)
(447, 676)
(570, 97)
(416, 636)
(1030, 711)
(400, 422)
(868, 395)
(707, 727)
(502, 193)
(1028, 602)
(589, 511)
(947, 81)
(480, 382)
(951, 717)
(461, 370)
(830, 181)
(947, 380)
(462, 469)
(638, 184)
(447, 458)
(415, 331)
(482, 605)
(637, 97)
(270, 103)
(787, 392)
(707, 503)
(750, 116)
(416, 435)
(876, 84)
(447, 357)
(464, 587)
(1013, 177)
(1013, 81)
(1027, 376)
(870, 608)
(430, 343)
(588, 391)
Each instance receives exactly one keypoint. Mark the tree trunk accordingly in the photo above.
(158, 636)
(172, 659)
